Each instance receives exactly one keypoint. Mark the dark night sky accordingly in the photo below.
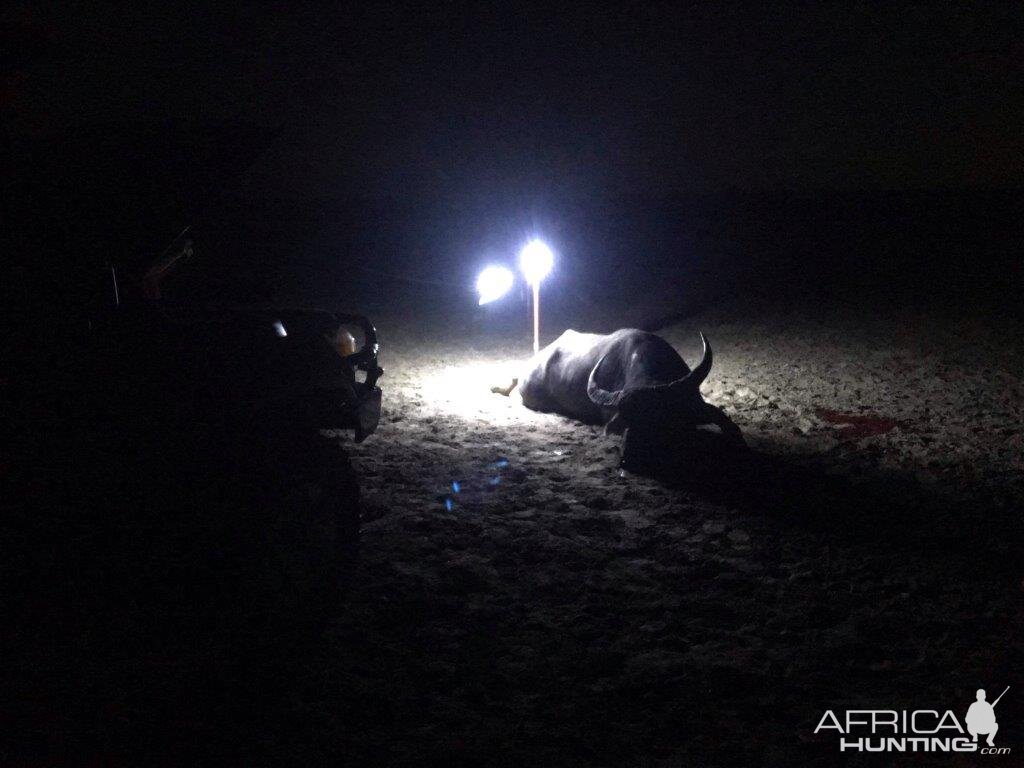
(644, 99)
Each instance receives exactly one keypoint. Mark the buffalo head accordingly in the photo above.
(652, 415)
(650, 405)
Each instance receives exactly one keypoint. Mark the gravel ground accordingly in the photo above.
(522, 602)
(518, 600)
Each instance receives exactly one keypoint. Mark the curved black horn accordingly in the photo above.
(696, 377)
(600, 396)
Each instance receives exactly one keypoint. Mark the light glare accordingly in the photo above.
(536, 261)
(493, 283)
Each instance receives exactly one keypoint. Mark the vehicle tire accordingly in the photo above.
(314, 498)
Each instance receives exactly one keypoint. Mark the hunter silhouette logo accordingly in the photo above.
(981, 717)
(918, 730)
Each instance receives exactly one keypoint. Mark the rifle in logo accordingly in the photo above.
(981, 717)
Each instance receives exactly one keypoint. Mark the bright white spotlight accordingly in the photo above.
(493, 283)
(536, 261)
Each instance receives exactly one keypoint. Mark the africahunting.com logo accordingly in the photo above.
(918, 730)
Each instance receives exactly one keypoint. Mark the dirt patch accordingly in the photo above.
(522, 601)
(854, 426)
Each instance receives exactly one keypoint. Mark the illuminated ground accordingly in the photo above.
(551, 611)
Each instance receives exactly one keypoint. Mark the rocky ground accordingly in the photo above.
(520, 601)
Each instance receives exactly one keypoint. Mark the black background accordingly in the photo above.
(710, 152)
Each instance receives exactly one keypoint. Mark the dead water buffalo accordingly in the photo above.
(632, 381)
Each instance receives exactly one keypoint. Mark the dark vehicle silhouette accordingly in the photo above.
(184, 527)
(246, 386)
